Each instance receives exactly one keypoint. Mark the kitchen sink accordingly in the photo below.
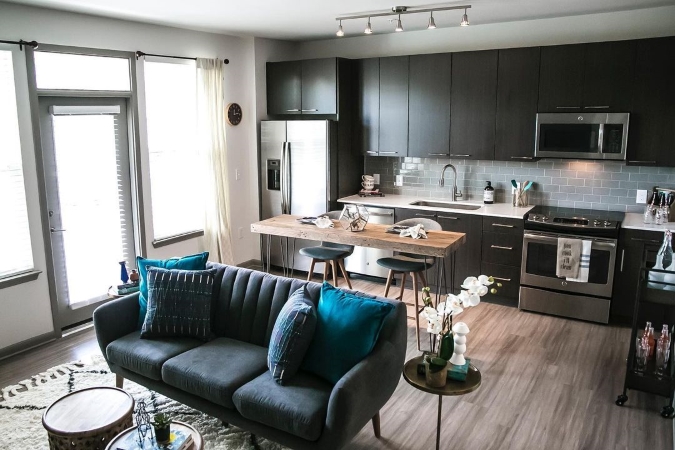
(445, 205)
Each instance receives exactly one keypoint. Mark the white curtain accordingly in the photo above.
(211, 112)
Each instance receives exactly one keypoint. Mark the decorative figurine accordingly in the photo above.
(143, 427)
(461, 330)
(124, 276)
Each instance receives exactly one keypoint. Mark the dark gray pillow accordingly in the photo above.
(292, 333)
(179, 303)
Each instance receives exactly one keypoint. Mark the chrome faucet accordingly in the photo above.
(455, 193)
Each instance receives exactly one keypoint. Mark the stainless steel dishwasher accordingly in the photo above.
(364, 259)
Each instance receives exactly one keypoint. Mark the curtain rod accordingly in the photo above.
(140, 53)
(21, 43)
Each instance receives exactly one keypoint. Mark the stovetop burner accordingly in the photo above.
(574, 221)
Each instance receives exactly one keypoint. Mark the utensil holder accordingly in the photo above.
(520, 199)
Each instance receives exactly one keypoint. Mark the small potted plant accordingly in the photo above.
(162, 424)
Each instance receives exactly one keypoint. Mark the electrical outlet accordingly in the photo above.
(241, 233)
(399, 180)
(237, 174)
(641, 196)
(377, 178)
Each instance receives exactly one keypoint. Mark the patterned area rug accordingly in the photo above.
(22, 406)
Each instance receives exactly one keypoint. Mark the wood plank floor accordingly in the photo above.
(548, 383)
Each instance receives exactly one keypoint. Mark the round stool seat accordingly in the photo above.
(88, 418)
(403, 265)
(324, 253)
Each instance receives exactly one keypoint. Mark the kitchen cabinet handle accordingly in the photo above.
(596, 107)
(381, 214)
(523, 157)
(448, 217)
(437, 154)
(310, 110)
(623, 253)
(461, 156)
(371, 151)
(56, 230)
(292, 110)
(653, 241)
(641, 162)
(568, 107)
(503, 225)
(388, 153)
(502, 279)
(501, 248)
(425, 215)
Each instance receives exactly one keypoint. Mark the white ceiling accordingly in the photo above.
(315, 19)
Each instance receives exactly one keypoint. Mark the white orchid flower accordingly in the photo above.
(482, 290)
(463, 297)
(429, 313)
(474, 299)
(434, 326)
(485, 280)
(470, 281)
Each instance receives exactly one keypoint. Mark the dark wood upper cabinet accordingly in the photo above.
(474, 103)
(609, 70)
(651, 140)
(393, 133)
(284, 84)
(319, 86)
(517, 95)
(429, 105)
(368, 110)
(561, 78)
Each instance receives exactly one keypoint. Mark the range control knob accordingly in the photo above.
(544, 218)
(534, 217)
(607, 223)
(596, 223)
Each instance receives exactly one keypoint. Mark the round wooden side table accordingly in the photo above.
(88, 418)
(197, 439)
(418, 381)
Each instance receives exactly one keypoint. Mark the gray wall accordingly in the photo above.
(568, 183)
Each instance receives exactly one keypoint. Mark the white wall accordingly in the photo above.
(25, 308)
(635, 24)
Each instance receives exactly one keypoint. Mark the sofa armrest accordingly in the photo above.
(116, 319)
(367, 387)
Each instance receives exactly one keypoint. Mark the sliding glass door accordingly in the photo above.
(87, 176)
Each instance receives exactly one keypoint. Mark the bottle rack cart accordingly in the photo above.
(651, 293)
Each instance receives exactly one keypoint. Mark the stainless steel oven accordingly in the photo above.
(541, 290)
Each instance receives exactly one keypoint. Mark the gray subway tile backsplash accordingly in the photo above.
(569, 183)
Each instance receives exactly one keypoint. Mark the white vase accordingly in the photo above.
(461, 330)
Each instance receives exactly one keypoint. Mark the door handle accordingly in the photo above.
(292, 110)
(56, 230)
(460, 156)
(501, 248)
(437, 154)
(568, 107)
(522, 157)
(283, 178)
(623, 253)
(448, 217)
(388, 153)
(288, 177)
(653, 241)
(425, 215)
(380, 214)
(502, 279)
(310, 110)
(596, 107)
(503, 225)
(370, 151)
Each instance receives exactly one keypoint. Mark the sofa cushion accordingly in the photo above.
(145, 357)
(291, 336)
(299, 407)
(192, 262)
(216, 369)
(179, 303)
(347, 330)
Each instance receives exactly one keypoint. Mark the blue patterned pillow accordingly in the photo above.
(292, 333)
(179, 303)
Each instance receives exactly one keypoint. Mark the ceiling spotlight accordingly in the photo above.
(368, 29)
(432, 24)
(399, 25)
(340, 31)
(465, 20)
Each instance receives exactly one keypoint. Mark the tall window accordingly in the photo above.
(16, 254)
(175, 168)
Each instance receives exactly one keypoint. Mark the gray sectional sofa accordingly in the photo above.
(227, 377)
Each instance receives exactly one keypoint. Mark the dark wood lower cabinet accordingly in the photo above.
(467, 257)
(509, 277)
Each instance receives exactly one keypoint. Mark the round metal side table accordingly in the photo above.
(418, 381)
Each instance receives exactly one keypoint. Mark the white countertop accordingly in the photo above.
(634, 222)
(403, 201)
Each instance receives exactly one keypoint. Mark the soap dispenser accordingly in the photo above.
(489, 194)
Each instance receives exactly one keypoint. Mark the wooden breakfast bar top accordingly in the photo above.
(438, 243)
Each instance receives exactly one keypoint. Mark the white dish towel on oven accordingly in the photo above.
(584, 263)
(569, 255)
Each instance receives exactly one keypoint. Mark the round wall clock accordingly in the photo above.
(233, 114)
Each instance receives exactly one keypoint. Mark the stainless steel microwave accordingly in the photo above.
(582, 135)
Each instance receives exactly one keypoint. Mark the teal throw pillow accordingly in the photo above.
(192, 262)
(179, 303)
(291, 336)
(346, 332)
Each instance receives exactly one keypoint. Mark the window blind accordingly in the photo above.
(175, 169)
(16, 254)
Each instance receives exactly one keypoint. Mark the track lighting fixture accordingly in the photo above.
(398, 11)
(465, 20)
(399, 25)
(432, 24)
(369, 29)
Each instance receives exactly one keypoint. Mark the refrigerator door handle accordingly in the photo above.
(288, 177)
(283, 178)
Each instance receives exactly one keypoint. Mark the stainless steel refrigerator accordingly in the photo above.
(298, 174)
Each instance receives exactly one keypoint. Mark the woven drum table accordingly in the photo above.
(88, 418)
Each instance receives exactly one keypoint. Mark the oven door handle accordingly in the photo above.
(541, 237)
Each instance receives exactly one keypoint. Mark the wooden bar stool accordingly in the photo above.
(332, 255)
(414, 265)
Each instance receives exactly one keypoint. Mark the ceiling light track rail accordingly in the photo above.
(21, 43)
(401, 10)
(140, 54)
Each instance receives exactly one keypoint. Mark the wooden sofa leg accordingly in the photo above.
(376, 424)
(119, 381)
